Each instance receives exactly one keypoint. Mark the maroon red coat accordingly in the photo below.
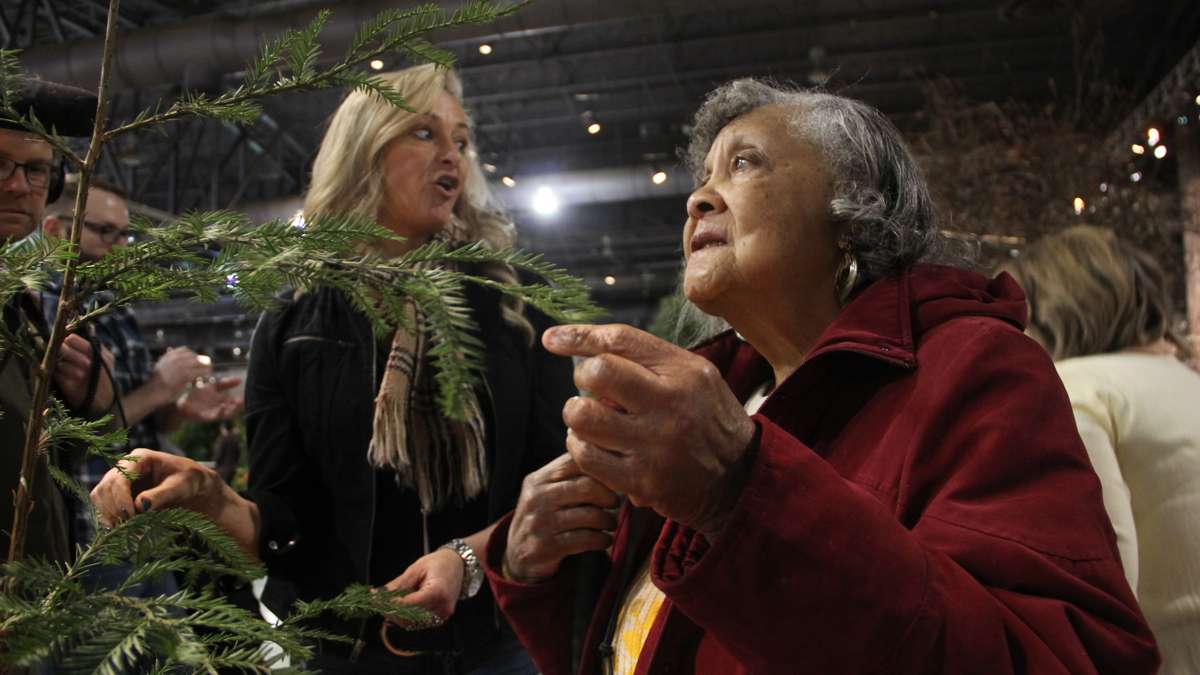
(919, 502)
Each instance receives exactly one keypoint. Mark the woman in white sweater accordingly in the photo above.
(1102, 308)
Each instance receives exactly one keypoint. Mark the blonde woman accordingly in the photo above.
(354, 476)
(1101, 308)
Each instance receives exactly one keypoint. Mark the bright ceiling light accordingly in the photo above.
(485, 49)
(508, 181)
(659, 177)
(610, 280)
(490, 168)
(377, 65)
(1135, 176)
(1078, 204)
(1160, 151)
(1153, 137)
(544, 202)
(1137, 149)
(594, 128)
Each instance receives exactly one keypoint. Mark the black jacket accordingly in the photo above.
(310, 390)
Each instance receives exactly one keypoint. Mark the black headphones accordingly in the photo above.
(58, 179)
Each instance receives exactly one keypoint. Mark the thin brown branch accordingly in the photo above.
(23, 500)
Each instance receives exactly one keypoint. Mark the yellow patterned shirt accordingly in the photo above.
(645, 600)
(633, 625)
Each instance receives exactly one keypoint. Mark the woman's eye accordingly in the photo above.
(423, 133)
(462, 145)
(740, 162)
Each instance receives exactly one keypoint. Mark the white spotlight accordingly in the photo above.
(485, 49)
(610, 280)
(659, 177)
(544, 201)
(1078, 204)
(1160, 151)
(1153, 137)
(377, 65)
(1135, 176)
(508, 182)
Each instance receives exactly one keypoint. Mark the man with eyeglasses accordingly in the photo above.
(27, 177)
(153, 396)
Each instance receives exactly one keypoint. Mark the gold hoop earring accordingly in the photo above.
(847, 275)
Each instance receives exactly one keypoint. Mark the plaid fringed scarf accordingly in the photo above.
(444, 460)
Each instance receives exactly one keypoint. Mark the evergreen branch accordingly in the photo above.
(357, 601)
(62, 430)
(370, 31)
(25, 265)
(296, 52)
(422, 50)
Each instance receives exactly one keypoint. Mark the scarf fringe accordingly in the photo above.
(443, 460)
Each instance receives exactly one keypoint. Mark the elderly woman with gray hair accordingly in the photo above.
(878, 472)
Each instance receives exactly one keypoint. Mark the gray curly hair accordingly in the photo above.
(881, 203)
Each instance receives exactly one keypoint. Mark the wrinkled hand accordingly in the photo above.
(179, 367)
(210, 403)
(662, 428)
(74, 367)
(435, 581)
(561, 512)
(163, 480)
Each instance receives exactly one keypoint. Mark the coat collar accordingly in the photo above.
(883, 321)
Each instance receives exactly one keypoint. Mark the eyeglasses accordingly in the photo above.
(109, 234)
(37, 174)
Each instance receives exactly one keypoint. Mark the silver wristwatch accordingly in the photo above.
(472, 572)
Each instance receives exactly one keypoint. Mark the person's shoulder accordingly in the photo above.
(979, 335)
(319, 311)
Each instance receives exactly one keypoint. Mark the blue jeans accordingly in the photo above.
(503, 657)
(508, 657)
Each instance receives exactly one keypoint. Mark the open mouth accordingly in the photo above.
(448, 184)
(703, 240)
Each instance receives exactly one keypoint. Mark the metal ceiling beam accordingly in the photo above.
(205, 48)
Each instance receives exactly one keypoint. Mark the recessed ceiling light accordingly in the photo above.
(544, 202)
(377, 65)
(485, 49)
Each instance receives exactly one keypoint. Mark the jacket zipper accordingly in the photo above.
(361, 642)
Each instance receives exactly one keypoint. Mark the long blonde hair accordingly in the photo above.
(348, 176)
(1089, 292)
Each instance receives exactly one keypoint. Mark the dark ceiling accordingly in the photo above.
(638, 67)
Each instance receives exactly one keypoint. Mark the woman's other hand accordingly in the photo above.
(164, 480)
(561, 512)
(434, 583)
(661, 427)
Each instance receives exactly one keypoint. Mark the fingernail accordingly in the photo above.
(144, 505)
(562, 336)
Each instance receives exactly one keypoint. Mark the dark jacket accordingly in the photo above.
(48, 534)
(919, 502)
(310, 391)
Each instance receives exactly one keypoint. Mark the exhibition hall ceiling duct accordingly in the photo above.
(197, 53)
